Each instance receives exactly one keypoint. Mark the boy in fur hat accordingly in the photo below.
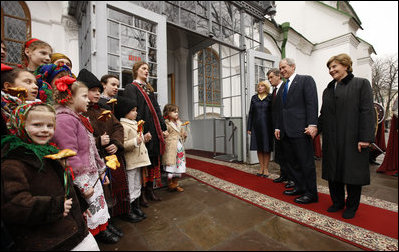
(136, 153)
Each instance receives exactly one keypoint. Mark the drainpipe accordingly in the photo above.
(285, 27)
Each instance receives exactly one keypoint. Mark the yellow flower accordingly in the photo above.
(112, 162)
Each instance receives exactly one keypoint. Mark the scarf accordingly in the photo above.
(38, 150)
(86, 123)
(17, 120)
(154, 117)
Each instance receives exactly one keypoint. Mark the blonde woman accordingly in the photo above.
(260, 126)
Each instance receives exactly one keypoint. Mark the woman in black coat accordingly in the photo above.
(155, 129)
(347, 122)
(260, 126)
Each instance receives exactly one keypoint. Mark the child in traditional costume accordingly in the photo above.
(39, 204)
(136, 154)
(17, 86)
(75, 132)
(110, 84)
(35, 52)
(108, 135)
(174, 160)
(46, 75)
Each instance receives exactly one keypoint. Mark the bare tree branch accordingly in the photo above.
(385, 81)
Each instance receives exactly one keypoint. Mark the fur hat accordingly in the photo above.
(123, 106)
(89, 79)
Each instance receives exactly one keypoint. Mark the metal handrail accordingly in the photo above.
(221, 136)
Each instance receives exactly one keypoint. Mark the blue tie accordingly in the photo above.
(285, 91)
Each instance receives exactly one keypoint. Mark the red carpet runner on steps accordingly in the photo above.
(369, 218)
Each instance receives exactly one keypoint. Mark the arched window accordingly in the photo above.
(207, 87)
(15, 28)
(208, 77)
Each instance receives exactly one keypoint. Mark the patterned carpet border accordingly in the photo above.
(322, 189)
(355, 235)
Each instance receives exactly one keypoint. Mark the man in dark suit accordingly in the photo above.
(296, 125)
(274, 78)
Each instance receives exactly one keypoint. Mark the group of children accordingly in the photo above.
(57, 201)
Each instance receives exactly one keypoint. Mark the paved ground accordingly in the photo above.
(203, 218)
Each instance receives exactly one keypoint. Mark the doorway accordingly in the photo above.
(171, 88)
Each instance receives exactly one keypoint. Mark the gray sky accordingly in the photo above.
(380, 23)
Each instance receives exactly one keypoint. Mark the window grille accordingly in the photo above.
(130, 39)
(15, 29)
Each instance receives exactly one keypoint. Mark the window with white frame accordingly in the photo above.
(216, 82)
(231, 82)
(130, 39)
(207, 92)
(262, 66)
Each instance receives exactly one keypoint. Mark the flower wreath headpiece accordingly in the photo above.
(63, 84)
(45, 74)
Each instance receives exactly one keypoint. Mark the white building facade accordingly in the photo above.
(206, 57)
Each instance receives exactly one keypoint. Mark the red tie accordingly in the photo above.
(274, 93)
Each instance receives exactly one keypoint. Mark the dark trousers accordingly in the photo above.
(337, 194)
(280, 159)
(300, 162)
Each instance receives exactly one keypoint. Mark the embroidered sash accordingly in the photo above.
(154, 117)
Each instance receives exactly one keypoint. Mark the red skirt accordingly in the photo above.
(390, 164)
(152, 173)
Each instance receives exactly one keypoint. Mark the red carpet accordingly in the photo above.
(371, 218)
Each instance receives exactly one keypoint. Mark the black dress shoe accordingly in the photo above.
(135, 207)
(374, 162)
(305, 199)
(107, 236)
(348, 214)
(279, 180)
(334, 208)
(115, 230)
(259, 174)
(293, 192)
(132, 217)
(265, 176)
(290, 184)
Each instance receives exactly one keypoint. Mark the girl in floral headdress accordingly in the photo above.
(35, 52)
(46, 75)
(75, 132)
(39, 206)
